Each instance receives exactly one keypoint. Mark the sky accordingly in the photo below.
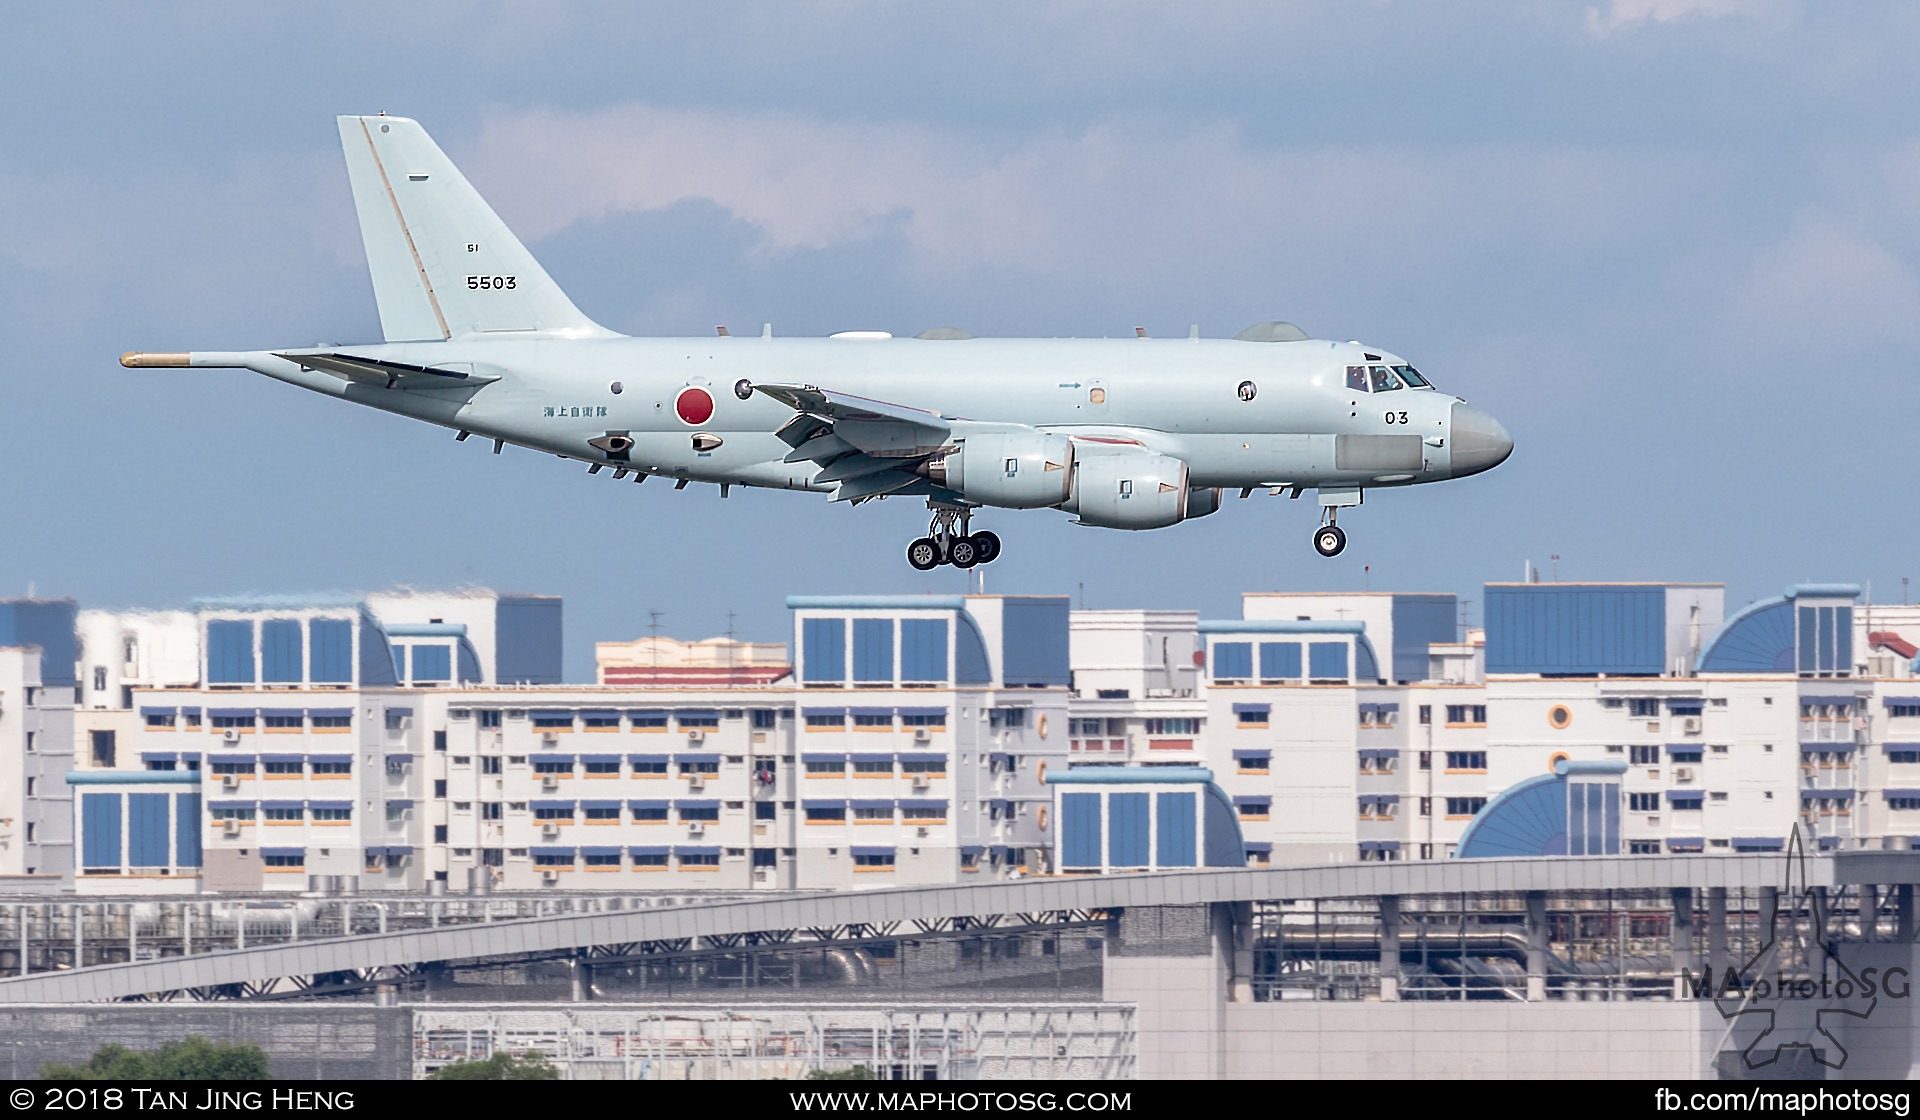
(1674, 245)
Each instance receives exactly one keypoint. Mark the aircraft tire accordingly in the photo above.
(924, 555)
(1329, 540)
(963, 553)
(986, 546)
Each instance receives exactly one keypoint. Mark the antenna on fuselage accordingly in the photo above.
(1139, 332)
(766, 330)
(722, 331)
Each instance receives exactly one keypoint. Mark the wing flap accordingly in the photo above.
(830, 425)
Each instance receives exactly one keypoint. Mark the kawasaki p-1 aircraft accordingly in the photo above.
(1131, 433)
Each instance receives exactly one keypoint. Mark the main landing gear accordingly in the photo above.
(949, 542)
(1329, 539)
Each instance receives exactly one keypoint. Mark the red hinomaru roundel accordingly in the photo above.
(694, 405)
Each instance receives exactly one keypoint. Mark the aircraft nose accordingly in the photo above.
(1480, 443)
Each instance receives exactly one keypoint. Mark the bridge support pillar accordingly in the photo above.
(1903, 909)
(1680, 939)
(1536, 946)
(1717, 931)
(1389, 947)
(1236, 931)
(582, 980)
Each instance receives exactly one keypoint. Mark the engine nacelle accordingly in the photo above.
(1013, 470)
(1129, 490)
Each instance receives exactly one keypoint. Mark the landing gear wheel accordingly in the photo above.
(963, 553)
(923, 554)
(1329, 540)
(986, 547)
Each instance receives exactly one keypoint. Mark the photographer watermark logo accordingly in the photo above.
(1794, 992)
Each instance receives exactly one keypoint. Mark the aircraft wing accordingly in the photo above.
(867, 447)
(396, 375)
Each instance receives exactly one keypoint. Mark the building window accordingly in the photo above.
(1643, 707)
(607, 860)
(1173, 727)
(923, 816)
(1643, 802)
(702, 769)
(698, 721)
(1903, 803)
(283, 815)
(1459, 808)
(553, 859)
(336, 769)
(490, 764)
(874, 722)
(1255, 717)
(873, 768)
(1644, 754)
(1894, 711)
(1426, 717)
(763, 719)
(561, 766)
(937, 720)
(1010, 719)
(228, 721)
(162, 721)
(282, 769)
(600, 721)
(288, 862)
(554, 813)
(1255, 764)
(826, 721)
(337, 815)
(1466, 715)
(1643, 847)
(868, 816)
(1466, 762)
(489, 719)
(699, 861)
(649, 815)
(1255, 810)
(602, 814)
(645, 861)
(826, 814)
(873, 862)
(648, 721)
(602, 769)
(649, 769)
(284, 723)
(1426, 807)
(934, 766)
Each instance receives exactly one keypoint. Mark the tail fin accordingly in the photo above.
(444, 264)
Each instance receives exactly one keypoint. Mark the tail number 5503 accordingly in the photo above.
(485, 283)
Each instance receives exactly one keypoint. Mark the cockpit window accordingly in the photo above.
(1383, 379)
(1412, 377)
(1357, 378)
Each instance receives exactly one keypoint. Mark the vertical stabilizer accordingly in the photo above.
(444, 265)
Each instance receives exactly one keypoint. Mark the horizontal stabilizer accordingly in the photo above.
(395, 375)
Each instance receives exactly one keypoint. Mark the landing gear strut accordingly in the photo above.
(1329, 539)
(948, 540)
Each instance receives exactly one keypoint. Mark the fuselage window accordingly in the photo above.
(1357, 378)
(1412, 377)
(1383, 379)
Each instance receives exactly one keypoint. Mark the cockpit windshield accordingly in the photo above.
(1412, 377)
(1384, 379)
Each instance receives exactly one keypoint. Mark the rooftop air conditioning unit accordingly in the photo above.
(550, 829)
(921, 781)
(1683, 773)
(696, 828)
(230, 735)
(1690, 725)
(229, 782)
(230, 829)
(550, 876)
(696, 781)
(696, 735)
(922, 734)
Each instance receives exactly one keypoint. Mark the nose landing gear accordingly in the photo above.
(1329, 539)
(948, 541)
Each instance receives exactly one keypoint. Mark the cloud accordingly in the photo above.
(1623, 15)
(1826, 281)
(1118, 200)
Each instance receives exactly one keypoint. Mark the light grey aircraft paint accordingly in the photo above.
(1132, 433)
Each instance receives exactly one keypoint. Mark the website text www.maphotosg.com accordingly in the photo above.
(874, 1100)
(1801, 1103)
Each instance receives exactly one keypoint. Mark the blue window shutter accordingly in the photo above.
(1080, 829)
(1232, 660)
(923, 649)
(186, 829)
(230, 652)
(825, 648)
(1279, 661)
(1127, 831)
(1175, 830)
(432, 663)
(100, 818)
(280, 652)
(873, 649)
(331, 650)
(1327, 660)
(147, 830)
